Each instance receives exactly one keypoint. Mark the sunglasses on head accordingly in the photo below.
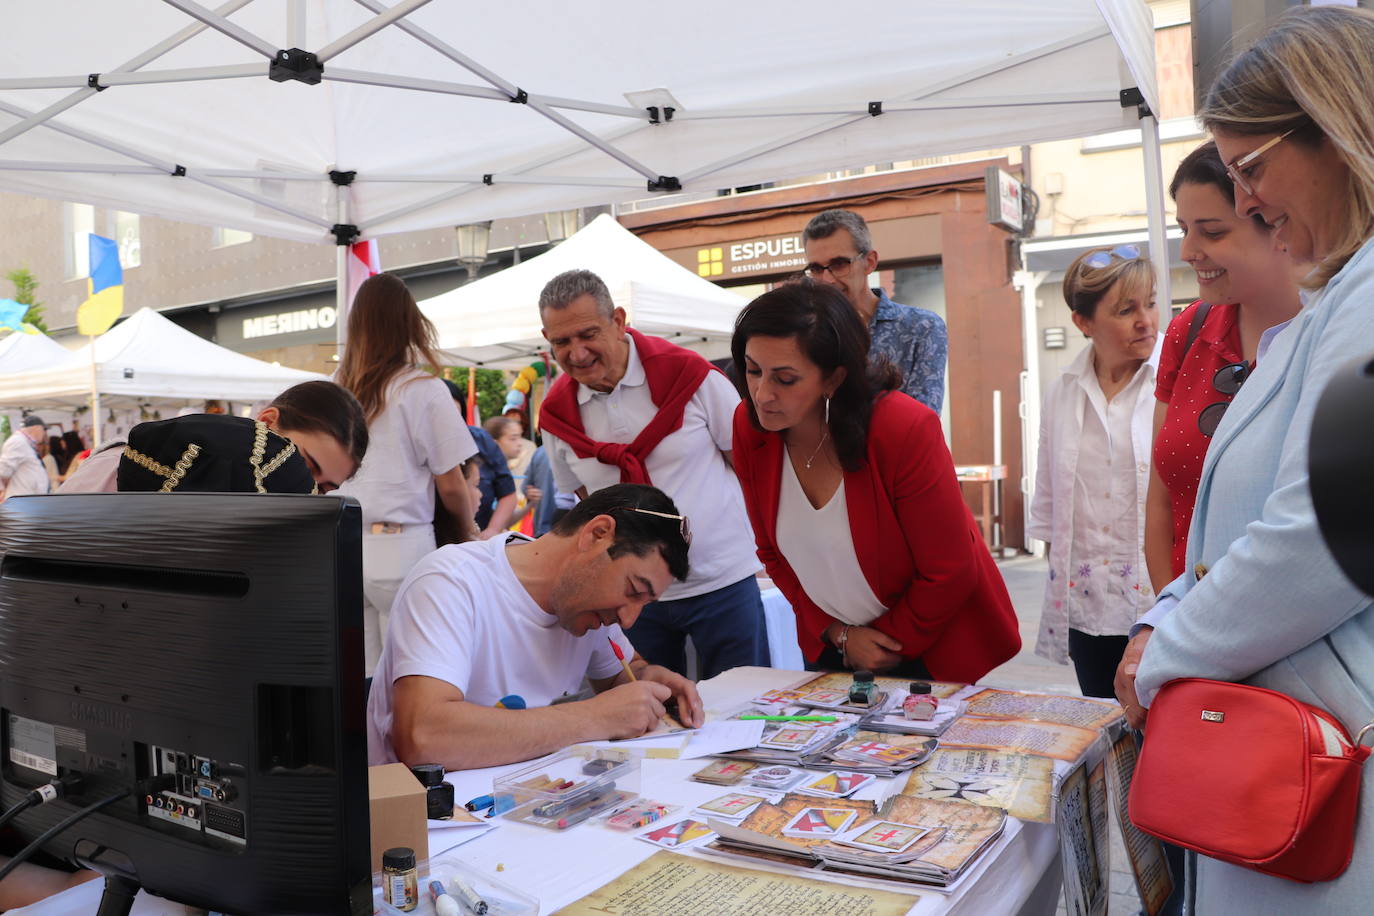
(1100, 259)
(684, 528)
(1227, 380)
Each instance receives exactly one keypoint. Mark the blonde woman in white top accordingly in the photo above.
(418, 443)
(1094, 468)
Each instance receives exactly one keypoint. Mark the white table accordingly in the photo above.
(1021, 874)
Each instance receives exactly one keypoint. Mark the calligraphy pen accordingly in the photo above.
(669, 705)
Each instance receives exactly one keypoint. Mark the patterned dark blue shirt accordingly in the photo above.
(916, 342)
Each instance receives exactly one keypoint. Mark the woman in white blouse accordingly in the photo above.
(1094, 468)
(418, 443)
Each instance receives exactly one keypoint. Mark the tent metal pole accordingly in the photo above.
(365, 78)
(1154, 208)
(172, 168)
(513, 91)
(368, 29)
(295, 23)
(500, 178)
(223, 25)
(942, 104)
(28, 165)
(341, 302)
(191, 74)
(147, 57)
(770, 146)
(1027, 282)
(95, 401)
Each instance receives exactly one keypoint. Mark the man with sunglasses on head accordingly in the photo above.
(840, 253)
(630, 408)
(478, 622)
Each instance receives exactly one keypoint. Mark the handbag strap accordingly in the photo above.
(1196, 326)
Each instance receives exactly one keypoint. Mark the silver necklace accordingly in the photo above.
(825, 435)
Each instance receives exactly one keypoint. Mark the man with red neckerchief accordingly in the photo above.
(631, 408)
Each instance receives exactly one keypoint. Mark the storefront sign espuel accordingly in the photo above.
(752, 256)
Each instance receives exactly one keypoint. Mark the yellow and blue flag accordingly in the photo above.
(105, 301)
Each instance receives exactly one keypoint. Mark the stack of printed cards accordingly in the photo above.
(882, 836)
(686, 832)
(724, 772)
(734, 806)
(838, 701)
(895, 757)
(778, 778)
(815, 823)
(774, 701)
(839, 784)
(897, 723)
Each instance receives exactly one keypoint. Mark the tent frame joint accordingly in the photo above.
(1133, 97)
(179, 171)
(875, 109)
(342, 179)
(521, 97)
(654, 114)
(295, 64)
(486, 179)
(344, 233)
(665, 183)
(93, 81)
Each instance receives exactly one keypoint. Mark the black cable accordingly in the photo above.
(24, 804)
(57, 828)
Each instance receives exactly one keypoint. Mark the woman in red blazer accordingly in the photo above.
(854, 502)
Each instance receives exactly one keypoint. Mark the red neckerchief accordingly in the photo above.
(673, 374)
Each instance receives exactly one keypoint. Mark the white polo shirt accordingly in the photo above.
(21, 471)
(687, 465)
(463, 617)
(418, 435)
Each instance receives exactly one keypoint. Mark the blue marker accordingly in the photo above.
(480, 802)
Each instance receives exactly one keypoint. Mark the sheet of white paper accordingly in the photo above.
(721, 736)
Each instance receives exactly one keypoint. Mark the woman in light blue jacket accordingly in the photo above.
(1261, 599)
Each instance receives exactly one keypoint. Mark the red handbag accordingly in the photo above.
(1249, 776)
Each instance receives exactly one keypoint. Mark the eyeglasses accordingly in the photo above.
(1227, 381)
(1100, 259)
(684, 528)
(1240, 169)
(839, 267)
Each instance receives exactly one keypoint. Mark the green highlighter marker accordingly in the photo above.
(787, 718)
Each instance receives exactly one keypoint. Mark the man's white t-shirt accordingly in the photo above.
(687, 465)
(418, 435)
(463, 617)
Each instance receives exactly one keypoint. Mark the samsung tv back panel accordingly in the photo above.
(202, 651)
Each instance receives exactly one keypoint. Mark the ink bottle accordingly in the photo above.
(400, 883)
(863, 691)
(920, 703)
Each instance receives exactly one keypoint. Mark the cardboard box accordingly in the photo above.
(396, 802)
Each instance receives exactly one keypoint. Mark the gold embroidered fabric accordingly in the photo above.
(171, 476)
(260, 471)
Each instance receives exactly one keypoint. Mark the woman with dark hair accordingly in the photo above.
(418, 443)
(854, 502)
(1246, 284)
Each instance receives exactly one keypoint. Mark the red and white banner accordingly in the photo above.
(364, 261)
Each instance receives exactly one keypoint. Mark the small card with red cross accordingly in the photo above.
(825, 698)
(840, 784)
(724, 772)
(882, 836)
(683, 833)
(733, 806)
(860, 751)
(789, 739)
(819, 823)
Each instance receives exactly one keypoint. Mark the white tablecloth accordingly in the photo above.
(1020, 874)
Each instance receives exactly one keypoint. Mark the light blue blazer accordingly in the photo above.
(1273, 609)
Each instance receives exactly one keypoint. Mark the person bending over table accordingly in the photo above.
(479, 621)
(855, 506)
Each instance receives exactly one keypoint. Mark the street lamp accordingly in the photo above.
(560, 224)
(473, 241)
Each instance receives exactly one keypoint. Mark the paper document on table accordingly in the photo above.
(1085, 871)
(1045, 739)
(1020, 783)
(1144, 852)
(1014, 704)
(669, 883)
(721, 736)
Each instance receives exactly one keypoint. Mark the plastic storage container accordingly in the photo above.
(501, 898)
(569, 789)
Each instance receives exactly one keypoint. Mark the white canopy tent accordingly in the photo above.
(148, 359)
(22, 352)
(494, 321)
(328, 120)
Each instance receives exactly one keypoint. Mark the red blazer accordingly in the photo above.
(916, 540)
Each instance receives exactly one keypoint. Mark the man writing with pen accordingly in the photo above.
(476, 622)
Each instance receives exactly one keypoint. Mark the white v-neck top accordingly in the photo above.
(819, 546)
